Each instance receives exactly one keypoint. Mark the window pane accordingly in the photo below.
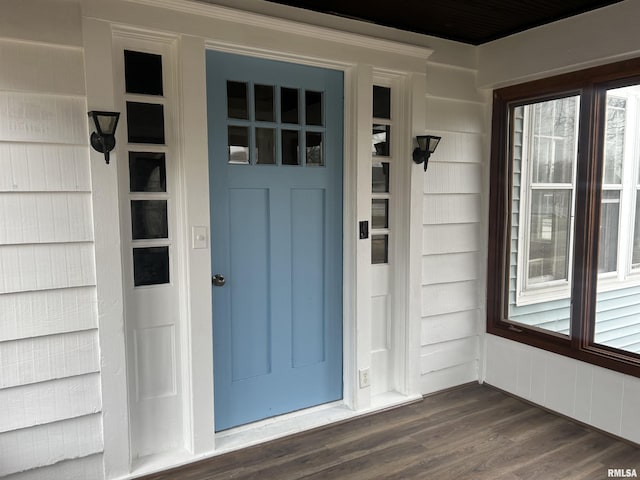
(608, 245)
(636, 233)
(380, 213)
(549, 236)
(237, 103)
(265, 146)
(264, 101)
(313, 106)
(380, 177)
(381, 102)
(147, 172)
(150, 266)
(380, 140)
(145, 123)
(553, 140)
(289, 105)
(143, 73)
(614, 138)
(379, 249)
(290, 147)
(149, 219)
(238, 147)
(314, 149)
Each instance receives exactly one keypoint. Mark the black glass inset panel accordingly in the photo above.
(380, 177)
(380, 213)
(237, 103)
(238, 146)
(149, 219)
(314, 149)
(313, 105)
(147, 172)
(150, 266)
(143, 73)
(289, 105)
(264, 103)
(380, 140)
(381, 102)
(145, 122)
(290, 147)
(379, 249)
(265, 146)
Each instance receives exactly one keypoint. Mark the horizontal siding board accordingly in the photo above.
(450, 326)
(455, 83)
(51, 443)
(45, 217)
(40, 403)
(48, 266)
(449, 377)
(449, 354)
(31, 167)
(41, 68)
(85, 468)
(455, 116)
(458, 147)
(42, 359)
(449, 298)
(453, 178)
(452, 208)
(43, 118)
(441, 239)
(47, 312)
(452, 267)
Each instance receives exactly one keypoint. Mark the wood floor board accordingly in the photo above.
(474, 432)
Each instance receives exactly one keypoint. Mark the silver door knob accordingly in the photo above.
(218, 280)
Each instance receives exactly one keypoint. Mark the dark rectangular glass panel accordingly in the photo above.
(380, 213)
(315, 155)
(237, 102)
(380, 177)
(264, 103)
(381, 102)
(379, 249)
(147, 172)
(289, 105)
(380, 140)
(150, 266)
(265, 146)
(149, 219)
(143, 73)
(145, 123)
(238, 146)
(290, 147)
(313, 106)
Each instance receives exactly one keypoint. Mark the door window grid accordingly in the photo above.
(381, 157)
(294, 136)
(148, 154)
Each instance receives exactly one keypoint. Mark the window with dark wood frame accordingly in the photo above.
(564, 201)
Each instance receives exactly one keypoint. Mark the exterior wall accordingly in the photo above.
(599, 397)
(452, 242)
(50, 420)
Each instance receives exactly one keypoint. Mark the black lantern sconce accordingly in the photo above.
(426, 146)
(103, 140)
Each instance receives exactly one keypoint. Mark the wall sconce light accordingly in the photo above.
(426, 146)
(103, 140)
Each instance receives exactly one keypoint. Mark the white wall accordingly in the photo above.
(50, 419)
(603, 398)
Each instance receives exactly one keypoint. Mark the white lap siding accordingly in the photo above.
(50, 414)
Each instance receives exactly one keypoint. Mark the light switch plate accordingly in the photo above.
(199, 237)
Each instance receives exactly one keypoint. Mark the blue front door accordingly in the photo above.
(275, 168)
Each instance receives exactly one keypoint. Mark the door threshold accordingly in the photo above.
(303, 420)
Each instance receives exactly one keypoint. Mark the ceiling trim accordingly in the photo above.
(263, 21)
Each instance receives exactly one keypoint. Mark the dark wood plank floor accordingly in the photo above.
(474, 432)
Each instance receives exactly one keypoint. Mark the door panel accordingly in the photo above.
(275, 158)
